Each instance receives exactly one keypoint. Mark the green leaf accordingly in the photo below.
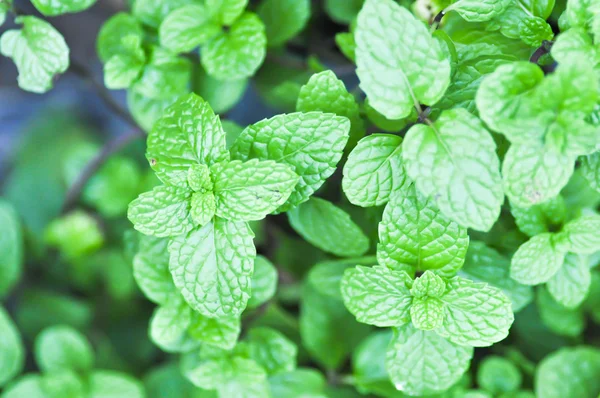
(534, 174)
(581, 12)
(427, 313)
(12, 352)
(311, 143)
(212, 266)
(111, 384)
(537, 260)
(329, 228)
(343, 11)
(580, 235)
(572, 44)
(38, 50)
(186, 28)
(237, 53)
(203, 207)
(326, 276)
(478, 10)
(559, 319)
(4, 8)
(368, 364)
(454, 160)
(218, 332)
(264, 282)
(169, 326)
(153, 12)
(533, 31)
(398, 77)
(248, 191)
(188, 133)
(421, 362)
(63, 384)
(146, 110)
(75, 234)
(374, 171)
(428, 285)
(570, 285)
(540, 218)
(326, 93)
(347, 45)
(29, 386)
(11, 248)
(151, 270)
(415, 236)
(484, 264)
(569, 372)
(162, 212)
(52, 8)
(117, 27)
(222, 95)
(63, 348)
(306, 382)
(226, 11)
(377, 295)
(475, 314)
(283, 19)
(271, 350)
(498, 375)
(122, 69)
(165, 76)
(590, 168)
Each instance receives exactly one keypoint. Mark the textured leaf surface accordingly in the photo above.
(329, 228)
(153, 12)
(326, 276)
(186, 28)
(374, 171)
(169, 326)
(226, 11)
(122, 69)
(428, 285)
(563, 321)
(534, 30)
(475, 314)
(238, 53)
(421, 362)
(377, 296)
(398, 63)
(38, 50)
(272, 350)
(12, 352)
(164, 211)
(11, 248)
(415, 236)
(63, 348)
(202, 208)
(56, 7)
(536, 260)
(264, 282)
(590, 168)
(283, 19)
(248, 191)
(581, 235)
(569, 372)
(311, 143)
(570, 285)
(188, 133)
(540, 218)
(212, 266)
(298, 383)
(219, 332)
(455, 162)
(479, 10)
(118, 26)
(427, 313)
(151, 270)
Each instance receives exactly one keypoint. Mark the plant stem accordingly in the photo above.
(541, 51)
(90, 169)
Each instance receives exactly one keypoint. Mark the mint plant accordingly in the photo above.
(382, 198)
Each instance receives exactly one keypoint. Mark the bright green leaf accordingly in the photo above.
(118, 26)
(111, 384)
(569, 372)
(12, 352)
(427, 313)
(220, 332)
(11, 248)
(203, 207)
(271, 350)
(226, 11)
(264, 282)
(52, 8)
(570, 285)
(537, 260)
(283, 19)
(186, 28)
(478, 10)
(151, 270)
(169, 326)
(580, 235)
(63, 348)
(498, 375)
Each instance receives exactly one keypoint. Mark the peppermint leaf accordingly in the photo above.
(52, 8)
(38, 50)
(569, 372)
(111, 384)
(427, 313)
(153, 12)
(220, 332)
(326, 93)
(12, 352)
(326, 276)
(537, 260)
(590, 169)
(11, 248)
(226, 11)
(580, 235)
(63, 348)
(343, 11)
(498, 375)
(212, 266)
(202, 207)
(188, 133)
(283, 19)
(264, 282)
(186, 28)
(271, 350)
(534, 31)
(540, 218)
(428, 285)
(151, 270)
(165, 76)
(374, 171)
(475, 314)
(558, 318)
(300, 382)
(399, 63)
(570, 285)
(122, 69)
(478, 11)
(164, 211)
(454, 161)
(421, 362)
(329, 228)
(311, 143)
(484, 264)
(169, 327)
(237, 53)
(110, 37)
(29, 385)
(247, 191)
(377, 296)
(415, 236)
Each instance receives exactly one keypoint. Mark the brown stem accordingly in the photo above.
(541, 51)
(90, 169)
